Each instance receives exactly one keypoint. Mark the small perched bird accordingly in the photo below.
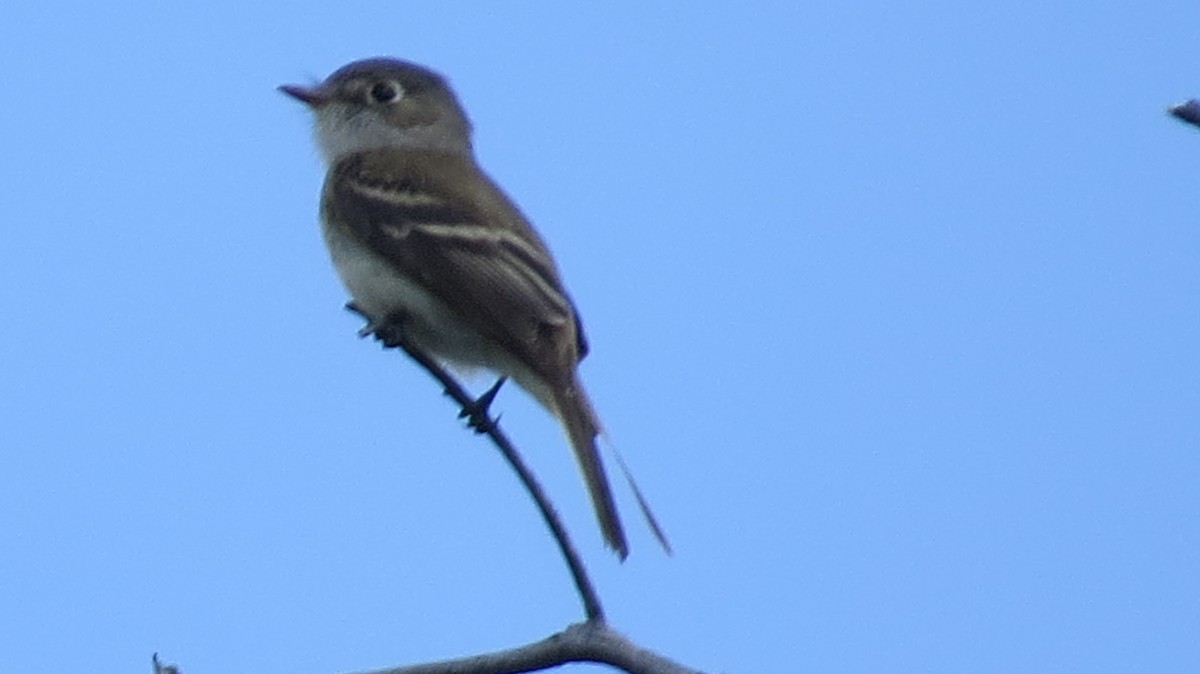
(423, 238)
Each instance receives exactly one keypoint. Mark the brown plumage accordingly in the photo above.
(412, 211)
(416, 229)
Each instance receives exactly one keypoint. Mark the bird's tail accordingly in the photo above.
(582, 426)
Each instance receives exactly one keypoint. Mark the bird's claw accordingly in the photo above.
(388, 331)
(476, 413)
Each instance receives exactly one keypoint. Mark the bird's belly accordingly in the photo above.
(379, 290)
(382, 292)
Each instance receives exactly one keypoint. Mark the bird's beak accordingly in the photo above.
(313, 97)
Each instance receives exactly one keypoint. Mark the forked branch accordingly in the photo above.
(591, 641)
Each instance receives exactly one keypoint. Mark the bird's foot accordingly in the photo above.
(476, 413)
(389, 330)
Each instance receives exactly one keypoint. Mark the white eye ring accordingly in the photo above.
(385, 92)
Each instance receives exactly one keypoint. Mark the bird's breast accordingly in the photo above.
(382, 291)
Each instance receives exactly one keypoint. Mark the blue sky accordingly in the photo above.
(894, 311)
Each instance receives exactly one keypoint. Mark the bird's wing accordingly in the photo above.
(470, 248)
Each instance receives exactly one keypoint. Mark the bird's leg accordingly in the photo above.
(390, 331)
(476, 413)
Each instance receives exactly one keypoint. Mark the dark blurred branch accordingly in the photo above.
(1188, 111)
(160, 668)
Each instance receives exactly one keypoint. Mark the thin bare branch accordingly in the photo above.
(477, 414)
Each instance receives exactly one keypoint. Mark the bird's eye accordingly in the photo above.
(385, 92)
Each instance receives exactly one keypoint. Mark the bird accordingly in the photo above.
(426, 242)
